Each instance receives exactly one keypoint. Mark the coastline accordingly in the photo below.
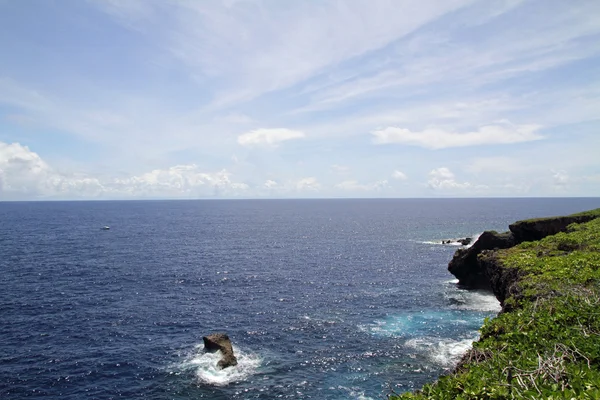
(545, 343)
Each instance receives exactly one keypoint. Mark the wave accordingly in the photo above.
(453, 241)
(475, 238)
(444, 352)
(430, 333)
(440, 242)
(471, 300)
(477, 301)
(205, 366)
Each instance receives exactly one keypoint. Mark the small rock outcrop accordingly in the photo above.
(465, 241)
(220, 342)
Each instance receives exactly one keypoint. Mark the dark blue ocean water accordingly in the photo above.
(323, 299)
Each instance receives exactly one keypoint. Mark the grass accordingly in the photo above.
(592, 213)
(548, 346)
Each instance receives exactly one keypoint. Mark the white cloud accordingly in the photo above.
(270, 184)
(24, 174)
(440, 139)
(308, 184)
(21, 170)
(268, 137)
(401, 176)
(180, 181)
(441, 173)
(443, 179)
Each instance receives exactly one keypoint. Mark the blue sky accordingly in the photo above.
(116, 99)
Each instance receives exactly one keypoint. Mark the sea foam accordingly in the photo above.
(472, 300)
(205, 367)
(442, 351)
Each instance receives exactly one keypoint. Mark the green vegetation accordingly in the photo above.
(548, 346)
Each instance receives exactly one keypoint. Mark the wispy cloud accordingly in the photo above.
(268, 137)
(399, 175)
(253, 47)
(439, 139)
(432, 57)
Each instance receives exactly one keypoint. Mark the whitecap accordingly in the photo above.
(205, 367)
(441, 242)
(474, 239)
(441, 351)
(481, 301)
(453, 241)
(475, 300)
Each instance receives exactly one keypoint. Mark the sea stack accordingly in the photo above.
(220, 342)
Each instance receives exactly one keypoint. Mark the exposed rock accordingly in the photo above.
(465, 241)
(503, 280)
(220, 342)
(464, 265)
(536, 229)
(474, 271)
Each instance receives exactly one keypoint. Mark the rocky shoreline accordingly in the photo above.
(476, 267)
(546, 341)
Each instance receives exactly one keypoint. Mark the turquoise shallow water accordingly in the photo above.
(323, 299)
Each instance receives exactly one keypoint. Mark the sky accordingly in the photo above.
(187, 99)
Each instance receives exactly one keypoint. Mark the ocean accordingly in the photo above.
(322, 299)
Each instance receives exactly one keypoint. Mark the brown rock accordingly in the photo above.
(464, 265)
(220, 342)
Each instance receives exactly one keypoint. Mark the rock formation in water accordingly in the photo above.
(220, 342)
(475, 270)
(465, 241)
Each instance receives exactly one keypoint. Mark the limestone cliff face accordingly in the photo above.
(465, 264)
(503, 280)
(536, 229)
(477, 266)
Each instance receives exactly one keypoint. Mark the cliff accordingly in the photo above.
(546, 341)
(471, 273)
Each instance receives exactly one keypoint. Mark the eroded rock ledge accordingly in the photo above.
(476, 267)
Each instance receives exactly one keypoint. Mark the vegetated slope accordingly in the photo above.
(546, 342)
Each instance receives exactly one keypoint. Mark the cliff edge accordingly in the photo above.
(471, 273)
(545, 344)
